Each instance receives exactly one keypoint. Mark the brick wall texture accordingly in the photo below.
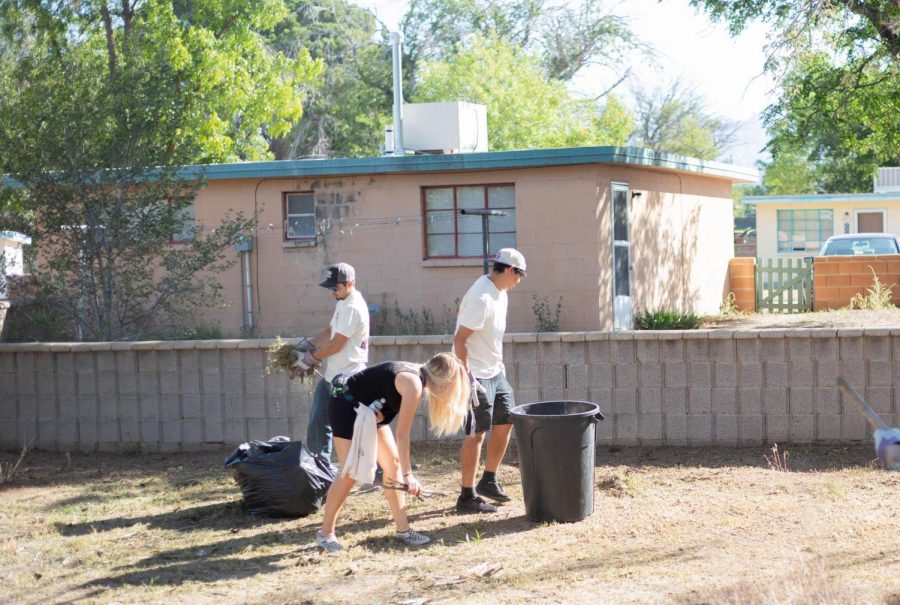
(722, 387)
(742, 282)
(837, 279)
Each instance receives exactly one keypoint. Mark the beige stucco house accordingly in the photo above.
(601, 227)
(798, 225)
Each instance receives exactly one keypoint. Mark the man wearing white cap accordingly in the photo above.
(478, 342)
(343, 345)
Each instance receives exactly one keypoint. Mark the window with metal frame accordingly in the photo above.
(450, 234)
(804, 230)
(299, 215)
(188, 226)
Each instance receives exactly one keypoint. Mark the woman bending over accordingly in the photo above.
(401, 385)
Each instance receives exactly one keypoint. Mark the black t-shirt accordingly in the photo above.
(377, 382)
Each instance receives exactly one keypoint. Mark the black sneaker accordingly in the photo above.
(492, 490)
(474, 505)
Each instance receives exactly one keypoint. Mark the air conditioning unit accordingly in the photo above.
(887, 180)
(455, 127)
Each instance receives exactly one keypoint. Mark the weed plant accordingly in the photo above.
(877, 297)
(545, 318)
(779, 460)
(666, 320)
(729, 307)
(409, 322)
(9, 470)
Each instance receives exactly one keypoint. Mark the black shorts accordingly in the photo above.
(494, 405)
(342, 416)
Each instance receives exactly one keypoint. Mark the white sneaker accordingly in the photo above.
(328, 543)
(412, 537)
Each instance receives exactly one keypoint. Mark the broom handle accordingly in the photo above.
(851, 394)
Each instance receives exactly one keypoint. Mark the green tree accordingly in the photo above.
(234, 91)
(790, 173)
(103, 103)
(564, 36)
(346, 108)
(525, 109)
(674, 119)
(838, 67)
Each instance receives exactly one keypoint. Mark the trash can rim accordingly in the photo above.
(518, 411)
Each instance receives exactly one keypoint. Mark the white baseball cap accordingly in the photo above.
(511, 257)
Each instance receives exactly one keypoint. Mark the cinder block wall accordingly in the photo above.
(742, 280)
(837, 279)
(701, 387)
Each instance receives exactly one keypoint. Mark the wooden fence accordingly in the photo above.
(784, 285)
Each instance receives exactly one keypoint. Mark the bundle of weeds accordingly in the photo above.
(283, 356)
(666, 320)
(877, 297)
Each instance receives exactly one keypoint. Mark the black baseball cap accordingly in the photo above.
(339, 273)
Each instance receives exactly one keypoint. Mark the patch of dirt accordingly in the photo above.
(844, 318)
(670, 525)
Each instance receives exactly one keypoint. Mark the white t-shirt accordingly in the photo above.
(483, 309)
(351, 319)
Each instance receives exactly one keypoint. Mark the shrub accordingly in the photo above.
(201, 331)
(400, 322)
(36, 321)
(666, 320)
(545, 319)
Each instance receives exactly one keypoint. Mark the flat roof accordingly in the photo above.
(490, 160)
(15, 236)
(814, 198)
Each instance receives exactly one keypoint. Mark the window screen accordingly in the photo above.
(804, 230)
(451, 234)
(300, 215)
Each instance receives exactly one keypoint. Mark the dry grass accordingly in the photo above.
(842, 318)
(671, 525)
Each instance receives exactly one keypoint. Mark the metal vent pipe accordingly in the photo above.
(396, 41)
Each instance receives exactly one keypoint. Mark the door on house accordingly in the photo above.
(870, 221)
(623, 313)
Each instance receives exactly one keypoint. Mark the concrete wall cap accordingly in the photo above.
(590, 336)
(849, 332)
(696, 334)
(721, 334)
(879, 331)
(823, 332)
(623, 335)
(773, 333)
(797, 333)
(573, 336)
(646, 335)
(746, 334)
(669, 335)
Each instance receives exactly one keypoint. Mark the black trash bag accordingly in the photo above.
(280, 477)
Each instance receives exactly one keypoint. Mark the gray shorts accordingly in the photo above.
(494, 405)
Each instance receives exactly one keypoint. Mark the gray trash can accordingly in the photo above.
(556, 441)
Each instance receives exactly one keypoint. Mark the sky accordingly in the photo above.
(727, 72)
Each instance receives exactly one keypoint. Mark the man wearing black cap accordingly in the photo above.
(344, 347)
(478, 342)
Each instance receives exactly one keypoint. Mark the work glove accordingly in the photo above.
(306, 344)
(887, 446)
(306, 361)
